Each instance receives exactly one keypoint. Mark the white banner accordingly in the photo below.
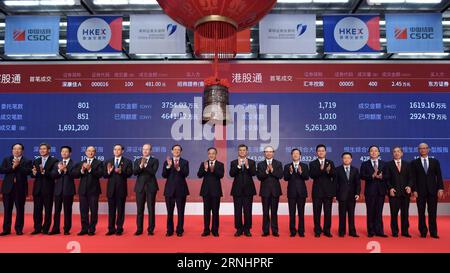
(287, 34)
(156, 34)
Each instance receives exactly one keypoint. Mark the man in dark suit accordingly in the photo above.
(117, 171)
(43, 189)
(322, 172)
(269, 172)
(175, 170)
(146, 187)
(243, 189)
(348, 185)
(212, 171)
(89, 171)
(399, 182)
(296, 174)
(428, 186)
(64, 191)
(372, 172)
(16, 169)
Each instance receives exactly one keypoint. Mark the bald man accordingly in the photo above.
(146, 187)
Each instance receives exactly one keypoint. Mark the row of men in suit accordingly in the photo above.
(54, 184)
(329, 182)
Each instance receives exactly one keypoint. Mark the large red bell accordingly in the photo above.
(215, 24)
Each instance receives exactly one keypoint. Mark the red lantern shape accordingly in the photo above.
(215, 24)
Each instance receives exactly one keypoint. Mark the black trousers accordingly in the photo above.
(270, 213)
(116, 213)
(89, 204)
(141, 198)
(396, 204)
(374, 206)
(170, 204)
(430, 203)
(326, 203)
(299, 204)
(61, 201)
(9, 201)
(347, 209)
(211, 206)
(243, 204)
(42, 203)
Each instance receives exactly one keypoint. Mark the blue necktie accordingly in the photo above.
(425, 165)
(117, 163)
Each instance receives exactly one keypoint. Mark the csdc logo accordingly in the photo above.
(94, 34)
(351, 33)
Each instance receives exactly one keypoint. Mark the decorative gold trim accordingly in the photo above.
(215, 18)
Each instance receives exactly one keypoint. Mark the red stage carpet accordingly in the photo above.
(193, 242)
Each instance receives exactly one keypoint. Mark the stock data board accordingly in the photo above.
(347, 106)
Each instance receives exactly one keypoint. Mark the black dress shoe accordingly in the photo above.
(168, 234)
(328, 235)
(293, 234)
(179, 234)
(248, 234)
(238, 233)
(317, 235)
(275, 234)
(45, 232)
(370, 235)
(4, 233)
(215, 234)
(341, 235)
(119, 233)
(150, 233)
(66, 233)
(407, 235)
(381, 235)
(54, 232)
(265, 234)
(395, 235)
(301, 234)
(435, 236)
(354, 235)
(19, 233)
(109, 233)
(91, 233)
(204, 234)
(83, 232)
(36, 232)
(138, 232)
(423, 235)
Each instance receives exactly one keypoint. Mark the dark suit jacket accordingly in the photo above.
(65, 182)
(44, 183)
(398, 180)
(270, 183)
(146, 175)
(373, 187)
(243, 184)
(347, 188)
(427, 184)
(176, 185)
(89, 181)
(323, 182)
(296, 181)
(21, 174)
(211, 185)
(117, 183)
